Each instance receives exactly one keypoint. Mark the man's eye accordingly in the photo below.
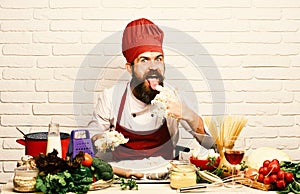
(143, 60)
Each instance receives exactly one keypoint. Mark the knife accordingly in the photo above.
(184, 189)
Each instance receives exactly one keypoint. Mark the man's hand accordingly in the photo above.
(174, 108)
(97, 136)
(179, 110)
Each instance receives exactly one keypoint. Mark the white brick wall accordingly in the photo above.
(53, 54)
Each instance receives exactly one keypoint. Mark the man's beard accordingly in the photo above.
(141, 90)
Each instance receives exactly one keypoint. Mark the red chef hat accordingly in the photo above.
(141, 36)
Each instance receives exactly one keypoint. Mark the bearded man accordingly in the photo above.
(126, 107)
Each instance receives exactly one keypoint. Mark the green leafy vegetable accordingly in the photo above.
(53, 183)
(61, 176)
(57, 175)
(102, 170)
(78, 182)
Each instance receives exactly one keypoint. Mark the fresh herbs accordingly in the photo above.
(216, 170)
(211, 161)
(128, 184)
(63, 182)
(53, 183)
(57, 175)
(243, 165)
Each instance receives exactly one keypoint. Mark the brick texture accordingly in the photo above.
(236, 57)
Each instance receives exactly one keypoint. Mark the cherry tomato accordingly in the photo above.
(289, 177)
(275, 160)
(94, 179)
(267, 180)
(88, 160)
(261, 178)
(274, 167)
(266, 163)
(280, 184)
(281, 174)
(273, 178)
(265, 171)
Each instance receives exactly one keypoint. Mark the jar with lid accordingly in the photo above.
(25, 179)
(182, 174)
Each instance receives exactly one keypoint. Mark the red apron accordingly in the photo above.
(142, 145)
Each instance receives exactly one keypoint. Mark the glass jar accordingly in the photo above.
(182, 174)
(25, 179)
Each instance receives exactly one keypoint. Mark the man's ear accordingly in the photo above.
(128, 67)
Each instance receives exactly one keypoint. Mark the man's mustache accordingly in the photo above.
(154, 73)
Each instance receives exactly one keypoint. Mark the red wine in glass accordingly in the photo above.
(234, 157)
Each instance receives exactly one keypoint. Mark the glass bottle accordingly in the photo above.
(53, 141)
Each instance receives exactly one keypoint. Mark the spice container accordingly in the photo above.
(182, 174)
(25, 179)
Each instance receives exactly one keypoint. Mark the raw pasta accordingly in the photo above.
(229, 127)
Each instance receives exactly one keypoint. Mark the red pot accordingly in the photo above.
(36, 143)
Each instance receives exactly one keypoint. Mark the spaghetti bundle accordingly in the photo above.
(222, 128)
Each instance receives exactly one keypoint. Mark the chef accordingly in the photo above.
(126, 107)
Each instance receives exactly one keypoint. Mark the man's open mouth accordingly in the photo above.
(153, 81)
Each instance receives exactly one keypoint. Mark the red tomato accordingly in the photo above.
(266, 163)
(275, 160)
(280, 174)
(267, 180)
(273, 178)
(88, 160)
(261, 178)
(265, 171)
(281, 184)
(274, 167)
(289, 177)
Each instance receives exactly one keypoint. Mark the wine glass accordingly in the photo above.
(234, 150)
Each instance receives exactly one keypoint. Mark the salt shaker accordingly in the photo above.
(54, 141)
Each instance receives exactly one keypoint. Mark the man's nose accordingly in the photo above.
(153, 65)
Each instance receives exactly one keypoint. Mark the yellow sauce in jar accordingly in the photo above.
(183, 175)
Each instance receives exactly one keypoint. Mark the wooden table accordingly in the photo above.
(157, 189)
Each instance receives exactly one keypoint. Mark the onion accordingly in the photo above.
(251, 173)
